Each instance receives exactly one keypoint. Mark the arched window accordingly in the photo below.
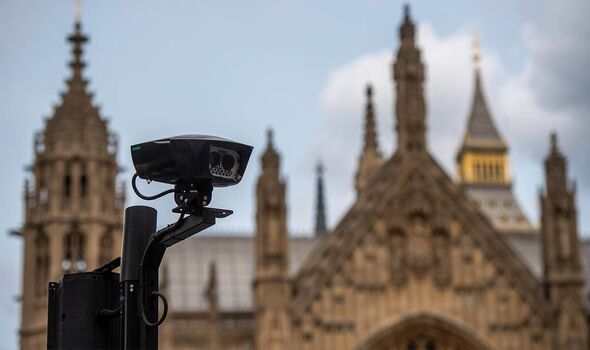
(74, 252)
(106, 247)
(41, 263)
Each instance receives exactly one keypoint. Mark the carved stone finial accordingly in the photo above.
(270, 157)
(407, 28)
(78, 39)
(476, 51)
(554, 143)
(320, 168)
(269, 136)
(78, 10)
(407, 11)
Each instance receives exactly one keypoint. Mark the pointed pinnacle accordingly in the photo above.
(269, 137)
(407, 27)
(320, 221)
(77, 39)
(320, 168)
(554, 143)
(370, 141)
(407, 12)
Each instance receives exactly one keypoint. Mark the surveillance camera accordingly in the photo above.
(194, 164)
(191, 158)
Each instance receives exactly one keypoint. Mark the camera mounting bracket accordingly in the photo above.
(191, 197)
(190, 225)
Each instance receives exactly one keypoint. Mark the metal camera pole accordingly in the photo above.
(140, 225)
(143, 250)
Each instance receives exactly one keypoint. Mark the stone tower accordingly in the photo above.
(563, 275)
(408, 76)
(73, 208)
(271, 285)
(483, 163)
(371, 157)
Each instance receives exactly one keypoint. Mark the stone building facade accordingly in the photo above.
(72, 204)
(421, 261)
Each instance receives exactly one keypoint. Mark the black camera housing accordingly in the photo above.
(192, 159)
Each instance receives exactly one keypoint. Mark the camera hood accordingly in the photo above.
(191, 159)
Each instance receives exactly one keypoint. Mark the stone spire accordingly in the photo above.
(371, 155)
(562, 263)
(76, 123)
(212, 295)
(481, 131)
(408, 73)
(559, 219)
(271, 214)
(483, 162)
(272, 291)
(320, 218)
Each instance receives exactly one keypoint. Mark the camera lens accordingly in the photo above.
(228, 162)
(214, 159)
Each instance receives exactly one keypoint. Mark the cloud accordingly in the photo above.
(525, 107)
(557, 42)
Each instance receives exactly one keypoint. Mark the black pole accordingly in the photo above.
(140, 225)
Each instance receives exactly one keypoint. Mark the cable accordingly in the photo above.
(110, 313)
(164, 311)
(144, 197)
(172, 227)
(141, 282)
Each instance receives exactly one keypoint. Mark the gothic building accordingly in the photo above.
(73, 208)
(420, 261)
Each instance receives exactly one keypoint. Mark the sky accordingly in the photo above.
(234, 69)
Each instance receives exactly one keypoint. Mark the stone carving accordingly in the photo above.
(441, 258)
(419, 246)
(398, 257)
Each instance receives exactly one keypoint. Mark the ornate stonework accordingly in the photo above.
(73, 208)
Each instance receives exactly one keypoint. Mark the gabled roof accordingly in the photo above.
(385, 199)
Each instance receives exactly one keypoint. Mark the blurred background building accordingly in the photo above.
(420, 260)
